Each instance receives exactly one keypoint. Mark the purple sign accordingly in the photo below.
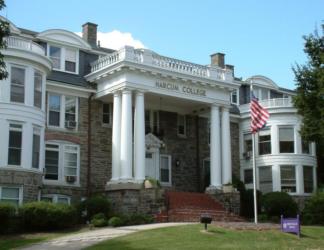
(290, 225)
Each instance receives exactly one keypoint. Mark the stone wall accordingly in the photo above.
(230, 200)
(30, 181)
(235, 148)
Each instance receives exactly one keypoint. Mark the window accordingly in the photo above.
(288, 179)
(247, 143)
(36, 148)
(265, 179)
(264, 94)
(17, 80)
(15, 141)
(305, 147)
(11, 195)
(64, 59)
(264, 142)
(248, 176)
(181, 125)
(106, 113)
(308, 179)
(56, 198)
(62, 162)
(165, 169)
(66, 105)
(152, 120)
(286, 140)
(38, 80)
(234, 97)
(51, 162)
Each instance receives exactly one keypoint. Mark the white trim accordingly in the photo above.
(169, 183)
(55, 197)
(20, 192)
(110, 107)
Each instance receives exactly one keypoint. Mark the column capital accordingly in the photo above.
(117, 93)
(139, 92)
(126, 91)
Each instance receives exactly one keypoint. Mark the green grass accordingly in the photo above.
(193, 237)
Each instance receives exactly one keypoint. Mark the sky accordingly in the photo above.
(259, 37)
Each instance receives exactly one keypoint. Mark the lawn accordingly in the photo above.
(193, 237)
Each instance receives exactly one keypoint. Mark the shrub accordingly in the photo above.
(247, 203)
(313, 212)
(276, 204)
(138, 219)
(95, 205)
(99, 220)
(115, 221)
(7, 214)
(47, 216)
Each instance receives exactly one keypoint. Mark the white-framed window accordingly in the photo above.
(181, 125)
(15, 144)
(288, 178)
(286, 140)
(261, 93)
(305, 147)
(17, 84)
(165, 169)
(12, 195)
(234, 97)
(62, 111)
(64, 59)
(62, 162)
(264, 142)
(152, 121)
(248, 176)
(308, 179)
(247, 144)
(56, 198)
(107, 114)
(36, 147)
(265, 179)
(38, 88)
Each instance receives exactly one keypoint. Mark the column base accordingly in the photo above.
(213, 189)
(123, 185)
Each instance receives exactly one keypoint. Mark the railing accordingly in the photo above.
(147, 57)
(270, 103)
(20, 43)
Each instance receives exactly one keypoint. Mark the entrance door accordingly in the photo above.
(150, 166)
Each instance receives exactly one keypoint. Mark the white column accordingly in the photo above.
(116, 137)
(139, 137)
(299, 179)
(215, 156)
(297, 139)
(126, 152)
(226, 147)
(276, 178)
(274, 139)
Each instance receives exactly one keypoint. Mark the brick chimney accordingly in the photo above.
(218, 59)
(89, 33)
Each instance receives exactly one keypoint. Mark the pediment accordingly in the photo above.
(64, 37)
(263, 81)
(152, 141)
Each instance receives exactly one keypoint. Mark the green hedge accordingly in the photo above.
(95, 205)
(275, 204)
(99, 220)
(48, 216)
(313, 212)
(7, 217)
(132, 219)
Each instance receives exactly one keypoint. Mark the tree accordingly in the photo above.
(4, 31)
(309, 100)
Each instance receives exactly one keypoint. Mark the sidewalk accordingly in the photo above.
(82, 240)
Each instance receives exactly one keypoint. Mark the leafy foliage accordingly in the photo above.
(4, 31)
(95, 205)
(313, 212)
(7, 212)
(99, 220)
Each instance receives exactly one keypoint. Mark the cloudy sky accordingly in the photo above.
(259, 37)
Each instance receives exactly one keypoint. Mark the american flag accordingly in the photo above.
(259, 115)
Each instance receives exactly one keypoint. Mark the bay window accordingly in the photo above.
(308, 179)
(15, 144)
(36, 147)
(264, 142)
(286, 140)
(17, 84)
(62, 162)
(288, 178)
(38, 80)
(62, 111)
(265, 179)
(64, 59)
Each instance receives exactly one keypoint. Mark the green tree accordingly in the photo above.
(4, 31)
(309, 100)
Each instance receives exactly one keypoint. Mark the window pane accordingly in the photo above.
(47, 199)
(13, 202)
(286, 138)
(55, 102)
(36, 149)
(54, 118)
(70, 66)
(62, 200)
(38, 89)
(11, 193)
(51, 165)
(248, 176)
(264, 144)
(265, 179)
(55, 55)
(106, 113)
(14, 150)
(308, 179)
(288, 179)
(70, 60)
(264, 94)
(164, 169)
(247, 143)
(70, 107)
(17, 93)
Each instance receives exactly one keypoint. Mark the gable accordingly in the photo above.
(262, 81)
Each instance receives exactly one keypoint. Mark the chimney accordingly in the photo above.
(89, 33)
(230, 67)
(218, 59)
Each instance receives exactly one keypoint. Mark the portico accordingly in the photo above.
(140, 80)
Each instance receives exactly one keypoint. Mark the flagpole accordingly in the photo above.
(254, 168)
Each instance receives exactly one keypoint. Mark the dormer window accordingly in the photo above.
(64, 59)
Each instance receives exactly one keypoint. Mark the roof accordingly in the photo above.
(68, 78)
(28, 32)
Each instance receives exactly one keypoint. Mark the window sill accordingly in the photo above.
(60, 183)
(68, 72)
(106, 125)
(20, 168)
(60, 129)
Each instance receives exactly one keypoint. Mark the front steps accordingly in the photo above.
(188, 207)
